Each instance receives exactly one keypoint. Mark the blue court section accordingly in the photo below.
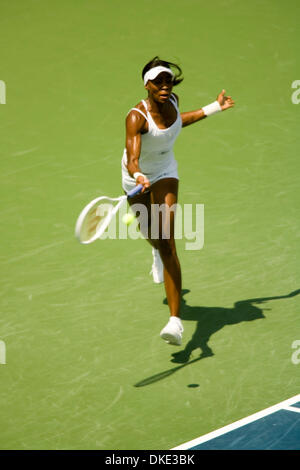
(274, 428)
(278, 431)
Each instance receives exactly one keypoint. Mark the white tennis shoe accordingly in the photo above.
(172, 332)
(157, 270)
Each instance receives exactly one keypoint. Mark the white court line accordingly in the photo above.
(237, 424)
(291, 408)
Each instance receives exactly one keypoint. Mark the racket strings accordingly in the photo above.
(98, 217)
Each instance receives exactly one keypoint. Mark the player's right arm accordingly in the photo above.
(135, 123)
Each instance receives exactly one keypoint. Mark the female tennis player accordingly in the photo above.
(152, 127)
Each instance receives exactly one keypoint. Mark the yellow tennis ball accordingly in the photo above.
(127, 219)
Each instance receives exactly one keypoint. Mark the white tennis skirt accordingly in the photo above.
(128, 183)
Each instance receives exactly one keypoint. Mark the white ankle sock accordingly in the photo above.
(176, 320)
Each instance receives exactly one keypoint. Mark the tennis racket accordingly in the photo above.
(97, 215)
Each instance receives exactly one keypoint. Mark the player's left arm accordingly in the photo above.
(190, 117)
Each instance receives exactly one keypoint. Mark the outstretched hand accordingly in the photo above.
(225, 102)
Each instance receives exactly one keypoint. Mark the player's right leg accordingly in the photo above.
(141, 207)
(143, 215)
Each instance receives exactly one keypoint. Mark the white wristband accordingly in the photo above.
(212, 108)
(137, 174)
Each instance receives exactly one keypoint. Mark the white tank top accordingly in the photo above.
(157, 144)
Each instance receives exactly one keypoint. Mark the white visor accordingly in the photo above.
(152, 73)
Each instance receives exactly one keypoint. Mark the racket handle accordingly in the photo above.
(135, 190)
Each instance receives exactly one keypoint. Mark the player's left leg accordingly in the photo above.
(164, 194)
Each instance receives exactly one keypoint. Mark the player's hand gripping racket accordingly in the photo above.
(97, 215)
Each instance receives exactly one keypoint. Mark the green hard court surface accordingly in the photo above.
(85, 366)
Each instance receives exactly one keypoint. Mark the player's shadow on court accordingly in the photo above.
(209, 320)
